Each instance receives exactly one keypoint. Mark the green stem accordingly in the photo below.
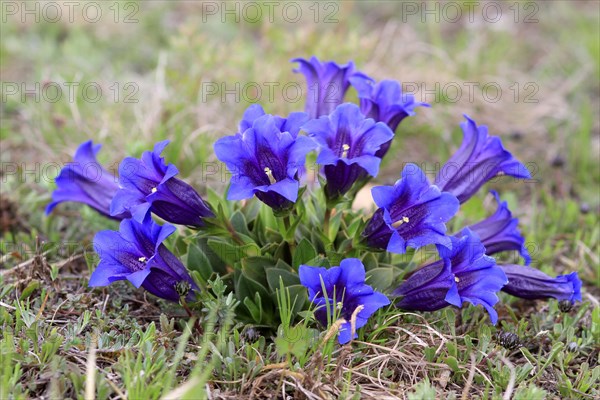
(287, 225)
(326, 221)
(233, 233)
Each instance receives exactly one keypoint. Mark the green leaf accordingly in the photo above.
(292, 341)
(429, 353)
(424, 390)
(596, 324)
(216, 201)
(28, 291)
(255, 308)
(198, 261)
(380, 278)
(452, 348)
(269, 248)
(318, 240)
(319, 261)
(288, 278)
(256, 267)
(335, 258)
(268, 219)
(231, 254)
(298, 297)
(259, 229)
(291, 232)
(556, 349)
(251, 209)
(239, 223)
(283, 265)
(334, 226)
(370, 261)
(290, 300)
(283, 252)
(304, 252)
(452, 362)
(248, 287)
(216, 263)
(355, 227)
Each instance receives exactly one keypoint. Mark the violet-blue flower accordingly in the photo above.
(149, 185)
(343, 288)
(136, 253)
(530, 283)
(500, 232)
(464, 273)
(480, 158)
(86, 181)
(327, 83)
(264, 158)
(412, 213)
(384, 102)
(348, 142)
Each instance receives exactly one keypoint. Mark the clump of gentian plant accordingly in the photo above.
(272, 230)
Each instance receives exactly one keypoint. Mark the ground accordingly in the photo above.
(185, 71)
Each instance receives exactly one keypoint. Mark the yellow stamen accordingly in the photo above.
(401, 221)
(340, 305)
(142, 259)
(269, 173)
(154, 190)
(345, 147)
(456, 279)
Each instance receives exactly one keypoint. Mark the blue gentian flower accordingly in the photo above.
(136, 253)
(327, 83)
(480, 158)
(291, 124)
(265, 157)
(384, 102)
(348, 142)
(343, 288)
(464, 273)
(86, 181)
(500, 232)
(149, 185)
(529, 283)
(412, 213)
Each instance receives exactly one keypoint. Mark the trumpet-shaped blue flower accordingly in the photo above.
(327, 83)
(86, 181)
(500, 232)
(149, 185)
(464, 273)
(291, 124)
(136, 253)
(529, 283)
(264, 158)
(342, 288)
(412, 213)
(384, 102)
(348, 142)
(480, 158)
